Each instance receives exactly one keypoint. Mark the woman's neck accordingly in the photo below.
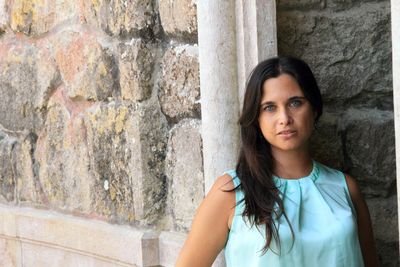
(293, 164)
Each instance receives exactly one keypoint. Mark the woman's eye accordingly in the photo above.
(269, 108)
(295, 103)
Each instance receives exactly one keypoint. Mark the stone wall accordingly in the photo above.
(348, 45)
(100, 110)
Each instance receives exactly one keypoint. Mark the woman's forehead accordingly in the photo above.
(281, 88)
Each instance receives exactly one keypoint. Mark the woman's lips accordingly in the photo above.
(287, 134)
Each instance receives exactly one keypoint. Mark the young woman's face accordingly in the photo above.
(286, 117)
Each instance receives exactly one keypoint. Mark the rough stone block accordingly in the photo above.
(127, 149)
(103, 159)
(179, 92)
(3, 16)
(136, 65)
(28, 190)
(384, 218)
(87, 67)
(27, 77)
(326, 142)
(369, 148)
(185, 172)
(300, 4)
(386, 231)
(39, 16)
(62, 156)
(17, 176)
(7, 168)
(179, 18)
(121, 17)
(340, 46)
(339, 5)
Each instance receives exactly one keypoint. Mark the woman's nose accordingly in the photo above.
(285, 117)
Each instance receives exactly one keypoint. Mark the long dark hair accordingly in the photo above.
(255, 162)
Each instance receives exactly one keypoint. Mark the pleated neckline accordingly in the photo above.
(313, 175)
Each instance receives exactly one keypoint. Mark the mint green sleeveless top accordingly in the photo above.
(323, 219)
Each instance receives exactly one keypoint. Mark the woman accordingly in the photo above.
(280, 207)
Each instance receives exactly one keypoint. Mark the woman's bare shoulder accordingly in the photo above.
(223, 183)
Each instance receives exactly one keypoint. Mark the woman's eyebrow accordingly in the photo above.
(290, 99)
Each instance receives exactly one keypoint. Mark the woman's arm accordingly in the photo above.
(210, 226)
(365, 233)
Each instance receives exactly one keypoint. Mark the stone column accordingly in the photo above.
(395, 9)
(218, 87)
(256, 36)
(233, 38)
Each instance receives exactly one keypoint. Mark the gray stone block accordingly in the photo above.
(179, 18)
(179, 92)
(88, 68)
(27, 77)
(8, 183)
(104, 159)
(3, 16)
(326, 142)
(127, 145)
(17, 176)
(386, 231)
(184, 168)
(62, 159)
(136, 65)
(38, 17)
(348, 51)
(122, 18)
(369, 149)
(300, 4)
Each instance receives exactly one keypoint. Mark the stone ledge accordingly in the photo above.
(48, 230)
(26, 234)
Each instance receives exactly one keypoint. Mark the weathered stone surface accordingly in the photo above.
(17, 177)
(121, 17)
(300, 4)
(39, 16)
(28, 190)
(185, 172)
(10, 252)
(7, 168)
(383, 212)
(136, 65)
(341, 46)
(103, 159)
(3, 16)
(28, 76)
(347, 4)
(385, 224)
(47, 75)
(369, 148)
(62, 156)
(127, 150)
(88, 68)
(18, 85)
(326, 142)
(180, 86)
(60, 240)
(179, 18)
